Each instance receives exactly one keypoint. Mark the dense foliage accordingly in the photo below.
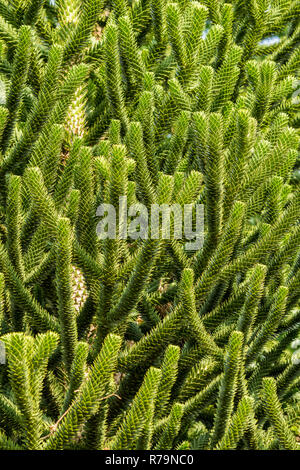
(140, 344)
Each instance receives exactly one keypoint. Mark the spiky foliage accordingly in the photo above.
(137, 343)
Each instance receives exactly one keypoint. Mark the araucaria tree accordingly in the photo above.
(121, 343)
